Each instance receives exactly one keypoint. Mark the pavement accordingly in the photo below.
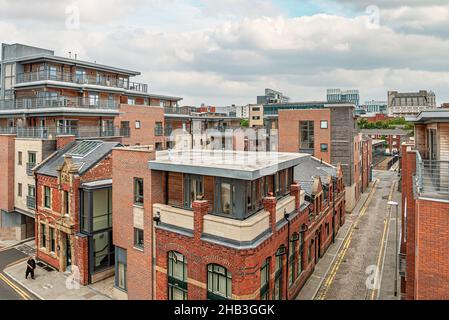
(322, 269)
(361, 264)
(49, 284)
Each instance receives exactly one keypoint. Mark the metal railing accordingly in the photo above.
(57, 102)
(177, 110)
(78, 132)
(31, 202)
(83, 79)
(29, 168)
(432, 176)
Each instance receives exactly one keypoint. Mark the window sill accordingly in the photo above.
(139, 249)
(140, 206)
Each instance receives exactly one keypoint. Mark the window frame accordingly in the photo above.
(47, 198)
(265, 287)
(214, 274)
(174, 282)
(137, 245)
(139, 198)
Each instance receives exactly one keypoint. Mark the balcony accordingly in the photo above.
(57, 103)
(47, 75)
(31, 202)
(53, 132)
(29, 168)
(432, 177)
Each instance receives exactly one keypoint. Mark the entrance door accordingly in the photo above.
(68, 252)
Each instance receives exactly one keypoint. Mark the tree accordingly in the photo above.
(244, 123)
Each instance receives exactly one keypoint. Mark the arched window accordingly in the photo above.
(177, 276)
(277, 292)
(219, 282)
(265, 280)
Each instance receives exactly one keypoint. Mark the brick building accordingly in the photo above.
(328, 132)
(219, 230)
(424, 257)
(43, 96)
(74, 209)
(393, 138)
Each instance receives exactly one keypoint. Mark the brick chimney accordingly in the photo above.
(200, 209)
(269, 204)
(62, 141)
(295, 191)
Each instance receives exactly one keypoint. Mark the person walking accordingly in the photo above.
(31, 265)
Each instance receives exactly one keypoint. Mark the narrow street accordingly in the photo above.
(9, 290)
(368, 249)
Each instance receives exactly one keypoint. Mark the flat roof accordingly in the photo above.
(243, 165)
(437, 115)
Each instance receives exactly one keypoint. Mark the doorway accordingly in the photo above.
(68, 253)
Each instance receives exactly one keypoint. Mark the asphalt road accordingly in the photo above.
(370, 251)
(9, 290)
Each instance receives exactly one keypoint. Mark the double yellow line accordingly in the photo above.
(342, 253)
(16, 288)
(382, 240)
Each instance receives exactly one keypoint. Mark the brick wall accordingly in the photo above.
(7, 158)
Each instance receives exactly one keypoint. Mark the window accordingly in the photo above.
(306, 135)
(43, 236)
(265, 280)
(177, 276)
(324, 147)
(32, 158)
(158, 130)
(219, 283)
(47, 197)
(277, 293)
(309, 251)
(291, 262)
(52, 239)
(94, 99)
(66, 202)
(101, 209)
(120, 269)
(193, 187)
(138, 238)
(80, 75)
(300, 253)
(324, 124)
(19, 190)
(137, 124)
(226, 198)
(103, 250)
(252, 201)
(19, 158)
(138, 191)
(131, 100)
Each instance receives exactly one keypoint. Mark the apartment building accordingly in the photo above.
(374, 107)
(43, 96)
(343, 96)
(242, 228)
(256, 116)
(404, 104)
(74, 209)
(328, 132)
(272, 96)
(424, 254)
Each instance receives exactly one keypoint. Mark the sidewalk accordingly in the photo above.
(313, 284)
(53, 285)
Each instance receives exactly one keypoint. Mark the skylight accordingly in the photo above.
(84, 148)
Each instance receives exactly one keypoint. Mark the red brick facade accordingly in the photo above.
(425, 238)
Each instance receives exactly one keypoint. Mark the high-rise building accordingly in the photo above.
(373, 107)
(272, 96)
(410, 103)
(345, 96)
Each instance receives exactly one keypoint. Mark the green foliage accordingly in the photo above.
(384, 124)
(244, 123)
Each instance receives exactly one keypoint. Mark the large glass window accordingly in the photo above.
(265, 280)
(193, 186)
(102, 209)
(43, 236)
(219, 283)
(138, 191)
(306, 134)
(120, 269)
(52, 239)
(103, 250)
(277, 293)
(226, 198)
(177, 276)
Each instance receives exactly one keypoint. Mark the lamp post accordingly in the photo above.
(395, 204)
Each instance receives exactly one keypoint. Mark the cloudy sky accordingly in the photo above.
(222, 52)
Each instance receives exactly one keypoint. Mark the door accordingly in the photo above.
(68, 252)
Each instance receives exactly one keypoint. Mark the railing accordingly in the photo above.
(53, 132)
(177, 110)
(31, 202)
(82, 79)
(29, 168)
(432, 176)
(57, 102)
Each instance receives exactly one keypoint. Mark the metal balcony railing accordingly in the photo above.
(78, 132)
(50, 75)
(57, 102)
(432, 177)
(29, 168)
(31, 202)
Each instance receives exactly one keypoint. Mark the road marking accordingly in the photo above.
(22, 293)
(382, 247)
(342, 253)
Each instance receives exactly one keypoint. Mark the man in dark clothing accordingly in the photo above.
(31, 265)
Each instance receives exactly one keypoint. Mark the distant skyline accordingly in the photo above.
(227, 52)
